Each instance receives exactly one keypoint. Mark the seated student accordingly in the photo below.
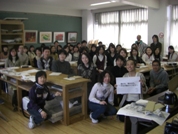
(76, 54)
(59, 47)
(71, 49)
(56, 44)
(123, 53)
(101, 98)
(13, 59)
(157, 54)
(134, 56)
(92, 51)
(5, 53)
(39, 93)
(25, 50)
(54, 55)
(84, 45)
(61, 65)
(129, 98)
(37, 57)
(31, 54)
(111, 56)
(45, 62)
(100, 59)
(158, 79)
(148, 56)
(23, 57)
(172, 55)
(118, 48)
(81, 51)
(68, 56)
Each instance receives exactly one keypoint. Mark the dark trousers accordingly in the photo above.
(98, 110)
(121, 117)
(37, 116)
(157, 91)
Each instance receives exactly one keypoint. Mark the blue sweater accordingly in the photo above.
(38, 95)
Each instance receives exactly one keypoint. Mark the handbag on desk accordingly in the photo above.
(171, 128)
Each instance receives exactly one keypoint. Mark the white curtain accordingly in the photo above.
(133, 23)
(174, 28)
(106, 28)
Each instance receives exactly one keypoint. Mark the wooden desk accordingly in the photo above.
(80, 83)
(160, 129)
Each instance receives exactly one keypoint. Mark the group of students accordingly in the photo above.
(98, 63)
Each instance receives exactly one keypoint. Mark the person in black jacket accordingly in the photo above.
(157, 54)
(134, 56)
(38, 94)
(111, 56)
(92, 51)
(156, 43)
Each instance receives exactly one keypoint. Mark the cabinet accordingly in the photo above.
(11, 33)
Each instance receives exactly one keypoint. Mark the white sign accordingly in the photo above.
(128, 85)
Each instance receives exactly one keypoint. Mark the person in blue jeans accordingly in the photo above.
(101, 98)
(38, 94)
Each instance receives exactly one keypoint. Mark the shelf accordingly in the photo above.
(11, 33)
(12, 43)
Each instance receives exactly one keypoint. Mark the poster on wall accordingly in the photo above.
(72, 37)
(31, 36)
(59, 36)
(45, 37)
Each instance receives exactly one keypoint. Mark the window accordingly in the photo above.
(133, 23)
(174, 27)
(106, 27)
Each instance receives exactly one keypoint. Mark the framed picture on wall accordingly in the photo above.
(31, 36)
(72, 37)
(45, 37)
(59, 36)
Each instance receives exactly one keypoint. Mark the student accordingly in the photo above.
(157, 54)
(82, 50)
(158, 79)
(84, 45)
(23, 57)
(79, 45)
(148, 56)
(61, 65)
(71, 49)
(39, 93)
(56, 44)
(155, 43)
(76, 54)
(25, 50)
(101, 98)
(37, 57)
(100, 59)
(140, 45)
(111, 56)
(69, 56)
(134, 46)
(118, 48)
(45, 62)
(54, 55)
(13, 59)
(5, 53)
(31, 54)
(42, 46)
(123, 53)
(134, 56)
(59, 47)
(100, 43)
(172, 55)
(92, 51)
(129, 98)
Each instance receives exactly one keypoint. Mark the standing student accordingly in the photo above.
(156, 43)
(45, 62)
(37, 57)
(39, 93)
(172, 55)
(100, 59)
(5, 53)
(148, 56)
(101, 98)
(61, 65)
(129, 98)
(31, 54)
(134, 56)
(69, 56)
(140, 45)
(76, 54)
(157, 54)
(54, 55)
(23, 57)
(93, 50)
(111, 56)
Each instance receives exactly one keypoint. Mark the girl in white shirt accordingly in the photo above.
(100, 59)
(69, 56)
(148, 56)
(129, 98)
(172, 55)
(101, 98)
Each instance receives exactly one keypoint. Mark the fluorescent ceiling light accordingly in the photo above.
(102, 3)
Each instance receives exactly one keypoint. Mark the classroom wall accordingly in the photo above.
(44, 22)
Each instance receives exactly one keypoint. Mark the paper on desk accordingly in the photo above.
(71, 78)
(127, 111)
(54, 74)
(30, 78)
(128, 85)
(31, 71)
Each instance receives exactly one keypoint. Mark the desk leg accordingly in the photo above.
(65, 105)
(134, 126)
(84, 100)
(127, 126)
(19, 96)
